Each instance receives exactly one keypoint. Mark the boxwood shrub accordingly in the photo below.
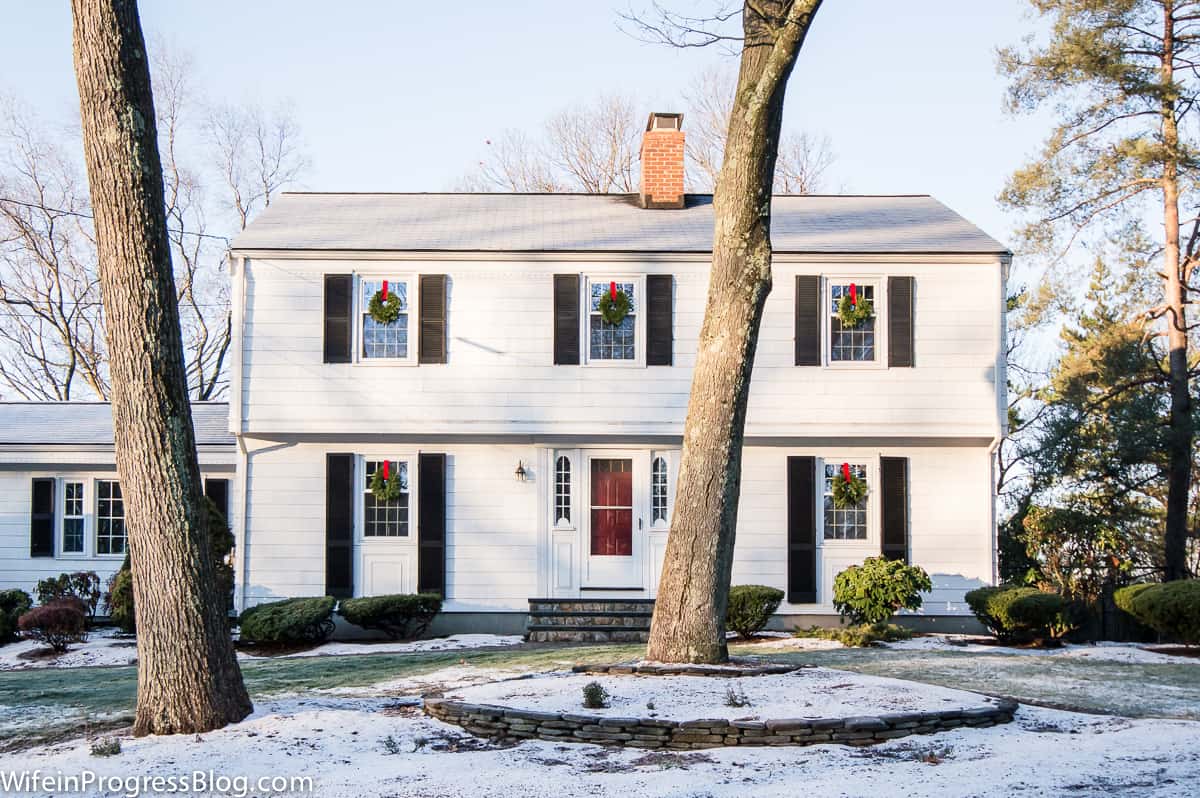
(1020, 614)
(398, 616)
(750, 607)
(12, 604)
(288, 622)
(872, 592)
(1172, 609)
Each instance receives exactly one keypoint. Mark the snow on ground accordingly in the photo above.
(1131, 653)
(360, 748)
(810, 692)
(789, 643)
(107, 647)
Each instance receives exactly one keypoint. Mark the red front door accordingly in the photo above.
(612, 507)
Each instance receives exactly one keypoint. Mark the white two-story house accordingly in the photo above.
(538, 444)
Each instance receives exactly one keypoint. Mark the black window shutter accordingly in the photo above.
(218, 491)
(566, 319)
(432, 344)
(808, 320)
(802, 530)
(339, 310)
(900, 322)
(339, 525)
(660, 322)
(894, 495)
(41, 519)
(431, 524)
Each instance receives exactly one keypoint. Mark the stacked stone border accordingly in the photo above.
(725, 672)
(497, 722)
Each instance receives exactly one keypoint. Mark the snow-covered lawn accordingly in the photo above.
(107, 647)
(809, 692)
(366, 747)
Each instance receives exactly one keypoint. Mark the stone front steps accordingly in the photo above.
(585, 620)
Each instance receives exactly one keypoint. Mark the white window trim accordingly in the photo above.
(872, 540)
(414, 299)
(879, 283)
(60, 512)
(95, 499)
(639, 331)
(360, 481)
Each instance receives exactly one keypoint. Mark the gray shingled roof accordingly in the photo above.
(90, 423)
(601, 223)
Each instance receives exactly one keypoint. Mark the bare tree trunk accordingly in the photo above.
(689, 614)
(188, 678)
(1179, 468)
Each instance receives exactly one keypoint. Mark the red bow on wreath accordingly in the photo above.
(853, 294)
(385, 462)
(384, 297)
(612, 291)
(845, 472)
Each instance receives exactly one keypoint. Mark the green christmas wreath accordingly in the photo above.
(386, 490)
(848, 493)
(384, 311)
(852, 314)
(614, 311)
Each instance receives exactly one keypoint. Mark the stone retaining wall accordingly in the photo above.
(485, 720)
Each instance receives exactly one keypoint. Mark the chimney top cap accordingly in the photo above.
(664, 121)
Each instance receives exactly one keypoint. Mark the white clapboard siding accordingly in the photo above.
(500, 377)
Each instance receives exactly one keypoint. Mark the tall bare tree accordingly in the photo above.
(51, 321)
(188, 676)
(1124, 150)
(689, 615)
(803, 161)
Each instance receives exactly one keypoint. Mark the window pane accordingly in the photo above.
(110, 518)
(611, 341)
(386, 519)
(658, 491)
(562, 490)
(849, 523)
(857, 344)
(384, 340)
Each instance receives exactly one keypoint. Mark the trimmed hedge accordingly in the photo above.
(1172, 608)
(1020, 614)
(298, 620)
(399, 615)
(57, 624)
(871, 593)
(13, 603)
(750, 607)
(862, 635)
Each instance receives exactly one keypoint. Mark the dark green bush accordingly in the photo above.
(118, 599)
(872, 592)
(82, 585)
(298, 620)
(861, 635)
(397, 616)
(12, 604)
(1020, 614)
(750, 607)
(57, 624)
(1171, 609)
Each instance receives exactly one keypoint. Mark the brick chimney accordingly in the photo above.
(662, 162)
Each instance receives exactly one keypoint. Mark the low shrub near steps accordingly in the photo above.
(289, 622)
(398, 616)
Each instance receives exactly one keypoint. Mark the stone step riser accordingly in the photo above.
(588, 636)
(640, 621)
(587, 607)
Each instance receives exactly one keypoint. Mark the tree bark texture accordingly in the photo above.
(188, 677)
(689, 613)
(1179, 465)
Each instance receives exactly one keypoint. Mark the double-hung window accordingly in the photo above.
(386, 519)
(72, 517)
(385, 341)
(110, 517)
(613, 343)
(857, 344)
(848, 523)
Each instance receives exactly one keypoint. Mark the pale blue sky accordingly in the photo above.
(399, 96)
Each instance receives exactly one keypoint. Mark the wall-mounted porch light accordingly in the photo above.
(521, 474)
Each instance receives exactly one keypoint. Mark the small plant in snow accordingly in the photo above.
(108, 746)
(390, 745)
(735, 697)
(419, 743)
(595, 696)
(650, 705)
